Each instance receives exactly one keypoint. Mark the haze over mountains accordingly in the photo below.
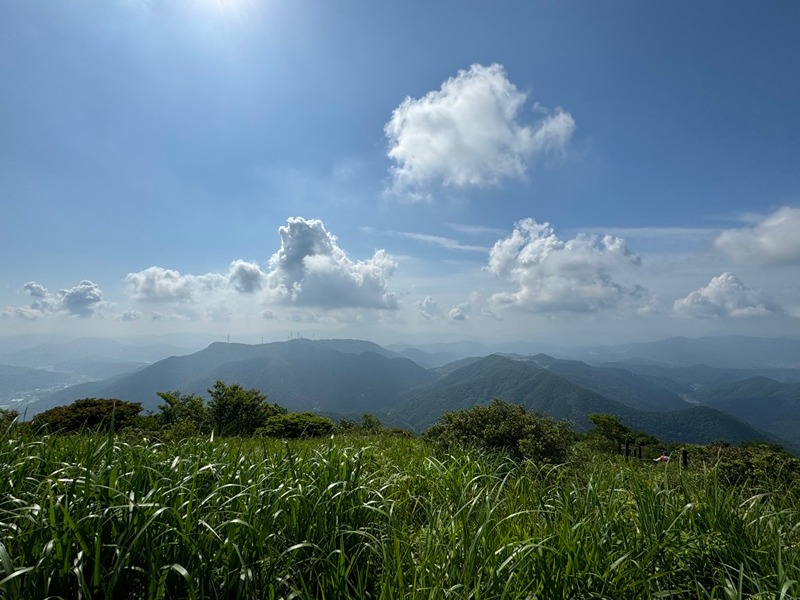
(687, 390)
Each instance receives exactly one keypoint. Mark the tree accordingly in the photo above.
(504, 426)
(370, 422)
(187, 410)
(100, 414)
(237, 411)
(611, 428)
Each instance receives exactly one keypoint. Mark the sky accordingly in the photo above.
(556, 172)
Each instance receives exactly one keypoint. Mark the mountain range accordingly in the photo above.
(341, 377)
(759, 399)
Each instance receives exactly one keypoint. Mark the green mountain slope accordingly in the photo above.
(495, 376)
(521, 381)
(614, 383)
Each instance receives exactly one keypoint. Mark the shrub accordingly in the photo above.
(7, 418)
(758, 465)
(507, 427)
(99, 414)
(296, 425)
(371, 422)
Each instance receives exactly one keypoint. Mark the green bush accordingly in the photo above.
(100, 414)
(757, 465)
(507, 427)
(296, 425)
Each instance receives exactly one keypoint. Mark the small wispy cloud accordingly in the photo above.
(443, 242)
(676, 234)
(475, 229)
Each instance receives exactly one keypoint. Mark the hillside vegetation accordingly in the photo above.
(376, 516)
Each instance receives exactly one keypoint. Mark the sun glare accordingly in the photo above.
(229, 9)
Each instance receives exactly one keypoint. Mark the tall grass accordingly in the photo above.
(93, 516)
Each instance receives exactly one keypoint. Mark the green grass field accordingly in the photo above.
(102, 516)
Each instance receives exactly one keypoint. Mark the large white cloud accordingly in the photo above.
(160, 285)
(467, 133)
(310, 269)
(725, 296)
(775, 240)
(157, 284)
(82, 300)
(554, 275)
(246, 277)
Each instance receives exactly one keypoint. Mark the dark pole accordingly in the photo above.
(627, 449)
(685, 459)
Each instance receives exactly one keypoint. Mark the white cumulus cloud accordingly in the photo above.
(246, 277)
(460, 312)
(725, 296)
(310, 269)
(775, 240)
(468, 133)
(555, 275)
(428, 308)
(157, 284)
(82, 300)
(129, 315)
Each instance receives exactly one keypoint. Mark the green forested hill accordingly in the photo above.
(521, 381)
(495, 377)
(615, 383)
(299, 374)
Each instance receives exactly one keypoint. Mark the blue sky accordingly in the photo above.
(546, 171)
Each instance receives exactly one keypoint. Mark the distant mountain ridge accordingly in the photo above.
(329, 376)
(740, 352)
(769, 404)
(95, 349)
